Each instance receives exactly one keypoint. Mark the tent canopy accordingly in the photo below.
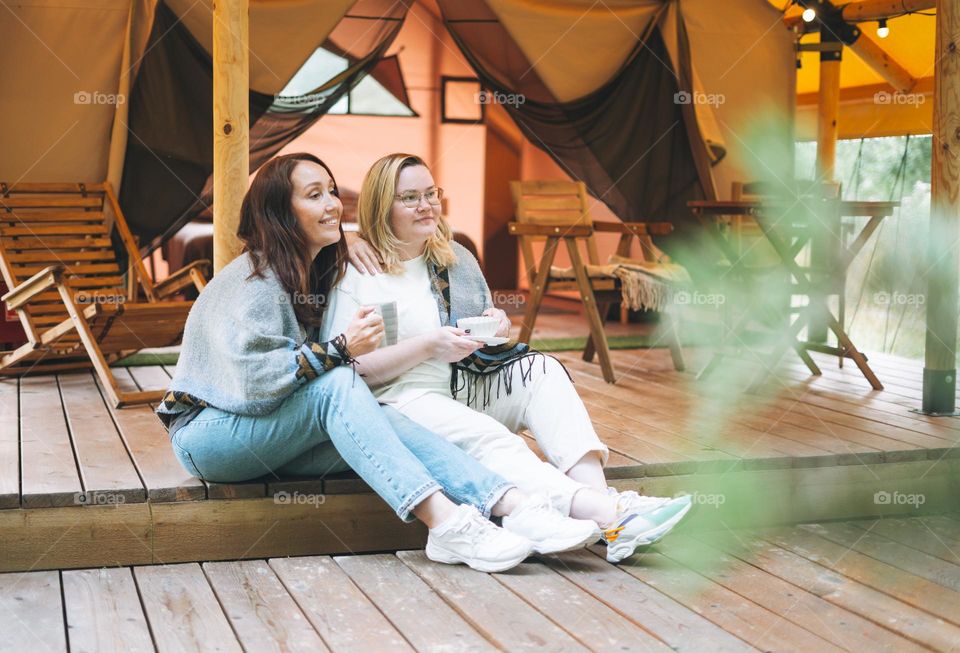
(908, 48)
(135, 107)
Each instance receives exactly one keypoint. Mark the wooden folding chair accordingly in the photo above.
(69, 291)
(552, 211)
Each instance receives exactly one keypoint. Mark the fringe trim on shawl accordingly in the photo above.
(481, 383)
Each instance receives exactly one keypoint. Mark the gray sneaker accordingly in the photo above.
(635, 529)
(467, 538)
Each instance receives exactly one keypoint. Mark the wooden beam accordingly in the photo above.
(882, 63)
(231, 124)
(940, 353)
(923, 86)
(869, 10)
(213, 529)
(808, 494)
(876, 9)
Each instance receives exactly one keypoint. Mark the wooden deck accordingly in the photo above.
(887, 585)
(83, 484)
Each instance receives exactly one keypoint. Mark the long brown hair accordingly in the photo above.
(270, 232)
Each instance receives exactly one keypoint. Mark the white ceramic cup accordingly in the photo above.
(482, 326)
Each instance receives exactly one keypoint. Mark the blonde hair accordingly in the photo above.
(375, 204)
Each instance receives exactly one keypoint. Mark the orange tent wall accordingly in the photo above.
(455, 152)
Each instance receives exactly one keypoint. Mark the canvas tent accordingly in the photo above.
(123, 90)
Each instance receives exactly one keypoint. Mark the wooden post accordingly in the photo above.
(940, 359)
(828, 111)
(231, 124)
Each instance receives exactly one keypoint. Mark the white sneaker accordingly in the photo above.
(630, 501)
(635, 529)
(549, 530)
(466, 537)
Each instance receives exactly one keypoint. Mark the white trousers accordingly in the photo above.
(547, 405)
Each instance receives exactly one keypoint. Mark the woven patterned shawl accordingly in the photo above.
(461, 291)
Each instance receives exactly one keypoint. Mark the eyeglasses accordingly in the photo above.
(411, 198)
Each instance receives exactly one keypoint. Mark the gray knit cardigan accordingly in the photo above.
(244, 350)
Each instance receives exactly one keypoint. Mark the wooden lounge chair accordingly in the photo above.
(67, 287)
(552, 211)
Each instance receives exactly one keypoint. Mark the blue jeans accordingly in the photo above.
(331, 424)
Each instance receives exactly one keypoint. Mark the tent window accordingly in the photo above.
(381, 93)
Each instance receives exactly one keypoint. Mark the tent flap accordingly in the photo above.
(626, 138)
(169, 157)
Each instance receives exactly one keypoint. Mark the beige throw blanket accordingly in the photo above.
(645, 285)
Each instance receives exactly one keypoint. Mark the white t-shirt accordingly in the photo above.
(417, 313)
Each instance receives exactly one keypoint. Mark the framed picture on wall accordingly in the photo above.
(461, 100)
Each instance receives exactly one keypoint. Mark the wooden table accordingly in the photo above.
(789, 225)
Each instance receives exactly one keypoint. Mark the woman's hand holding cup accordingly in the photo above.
(365, 331)
(503, 328)
(450, 346)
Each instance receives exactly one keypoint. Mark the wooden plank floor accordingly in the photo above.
(86, 485)
(888, 585)
(670, 420)
(62, 445)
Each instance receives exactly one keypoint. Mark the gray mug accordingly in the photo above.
(391, 324)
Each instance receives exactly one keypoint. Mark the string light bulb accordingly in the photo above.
(882, 30)
(809, 14)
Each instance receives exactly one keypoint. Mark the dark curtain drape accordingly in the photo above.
(627, 140)
(169, 157)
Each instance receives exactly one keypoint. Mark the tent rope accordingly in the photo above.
(899, 178)
(896, 330)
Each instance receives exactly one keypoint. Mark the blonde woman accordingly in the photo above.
(477, 399)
